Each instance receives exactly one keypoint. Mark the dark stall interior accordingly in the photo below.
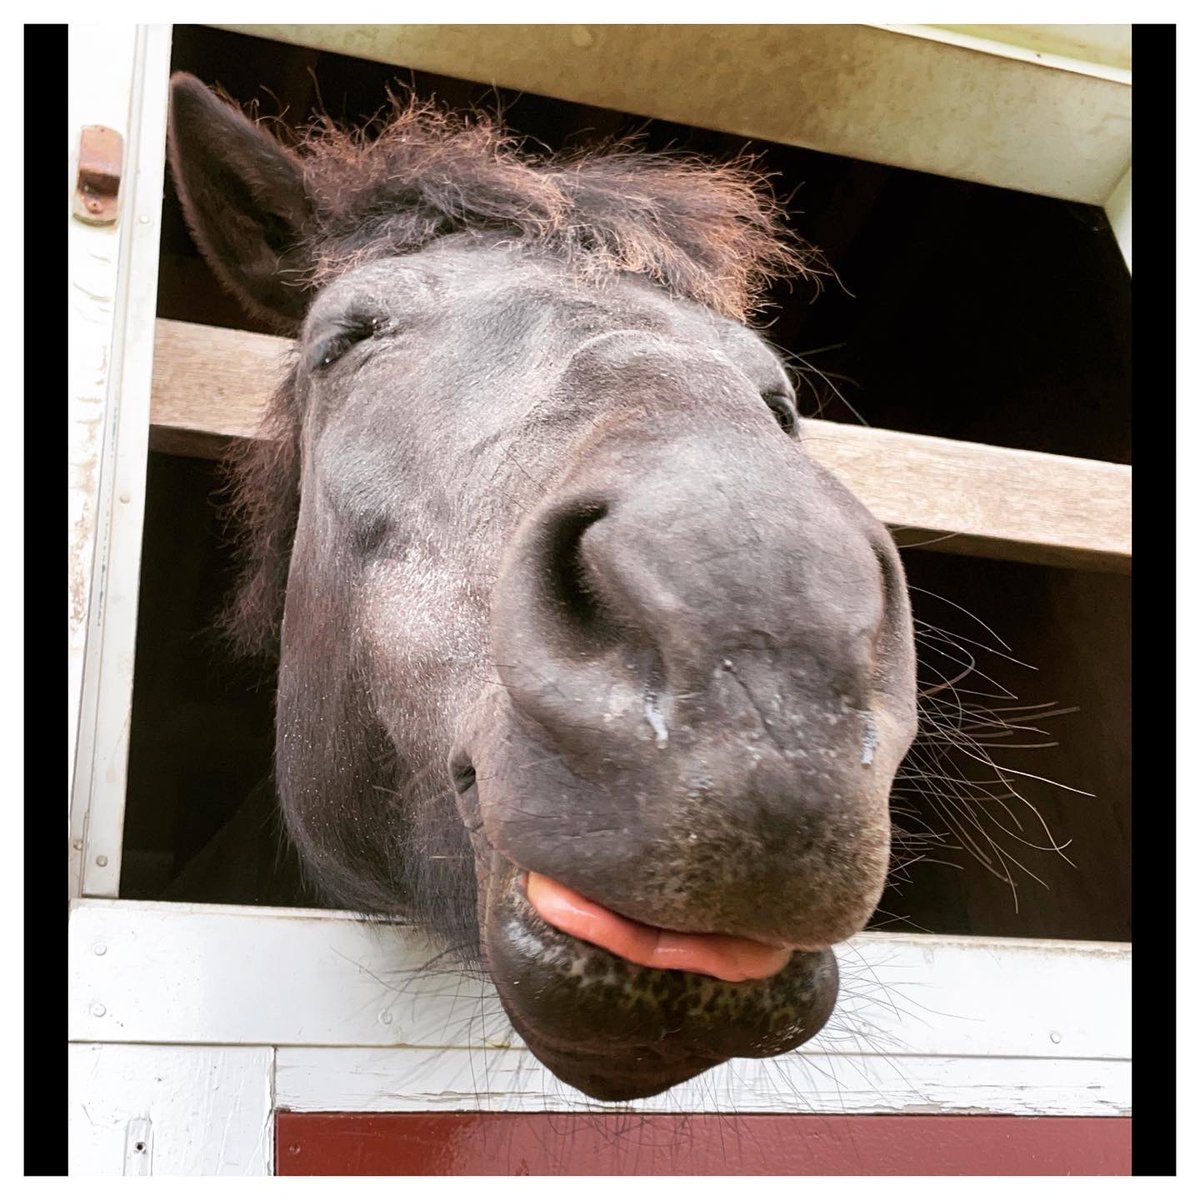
(959, 310)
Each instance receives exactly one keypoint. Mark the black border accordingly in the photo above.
(1154, 609)
(46, 417)
(1154, 913)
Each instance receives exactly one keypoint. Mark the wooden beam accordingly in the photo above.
(912, 96)
(361, 1021)
(983, 500)
(210, 386)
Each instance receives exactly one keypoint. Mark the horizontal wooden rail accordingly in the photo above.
(362, 1021)
(210, 386)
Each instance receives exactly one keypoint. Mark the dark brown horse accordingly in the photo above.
(584, 664)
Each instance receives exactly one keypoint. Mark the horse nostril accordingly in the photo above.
(894, 611)
(890, 570)
(462, 774)
(569, 587)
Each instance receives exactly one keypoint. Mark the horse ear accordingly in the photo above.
(244, 199)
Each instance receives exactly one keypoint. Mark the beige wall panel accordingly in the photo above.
(883, 95)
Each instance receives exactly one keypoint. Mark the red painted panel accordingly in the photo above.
(629, 1144)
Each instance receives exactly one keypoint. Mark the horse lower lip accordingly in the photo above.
(618, 1030)
(733, 959)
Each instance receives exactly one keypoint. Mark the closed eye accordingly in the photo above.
(780, 404)
(343, 336)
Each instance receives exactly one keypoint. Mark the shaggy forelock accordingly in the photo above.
(707, 232)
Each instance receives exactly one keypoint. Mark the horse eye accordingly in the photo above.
(781, 406)
(342, 337)
(370, 533)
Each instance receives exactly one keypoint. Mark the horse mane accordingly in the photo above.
(703, 231)
(262, 484)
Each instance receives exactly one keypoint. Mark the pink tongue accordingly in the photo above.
(731, 958)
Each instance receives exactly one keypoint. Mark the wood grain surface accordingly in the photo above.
(211, 384)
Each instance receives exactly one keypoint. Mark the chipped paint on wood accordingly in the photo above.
(113, 291)
(926, 1024)
(853, 1079)
(208, 1110)
(98, 76)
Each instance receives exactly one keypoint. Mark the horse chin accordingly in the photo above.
(617, 1031)
(641, 1071)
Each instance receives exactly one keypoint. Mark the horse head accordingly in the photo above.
(584, 664)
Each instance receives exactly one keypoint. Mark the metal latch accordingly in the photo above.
(101, 156)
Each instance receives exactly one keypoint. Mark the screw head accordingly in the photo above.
(98, 1009)
(99, 949)
(102, 860)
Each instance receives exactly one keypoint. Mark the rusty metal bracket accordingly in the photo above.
(98, 183)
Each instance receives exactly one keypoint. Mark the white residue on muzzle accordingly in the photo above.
(870, 740)
(655, 719)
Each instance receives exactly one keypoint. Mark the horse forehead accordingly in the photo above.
(475, 282)
(511, 304)
(629, 314)
(496, 287)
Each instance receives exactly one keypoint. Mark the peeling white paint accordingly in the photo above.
(361, 1079)
(100, 65)
(199, 1110)
(117, 76)
(926, 1024)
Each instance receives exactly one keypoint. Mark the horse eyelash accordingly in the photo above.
(348, 335)
(782, 410)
